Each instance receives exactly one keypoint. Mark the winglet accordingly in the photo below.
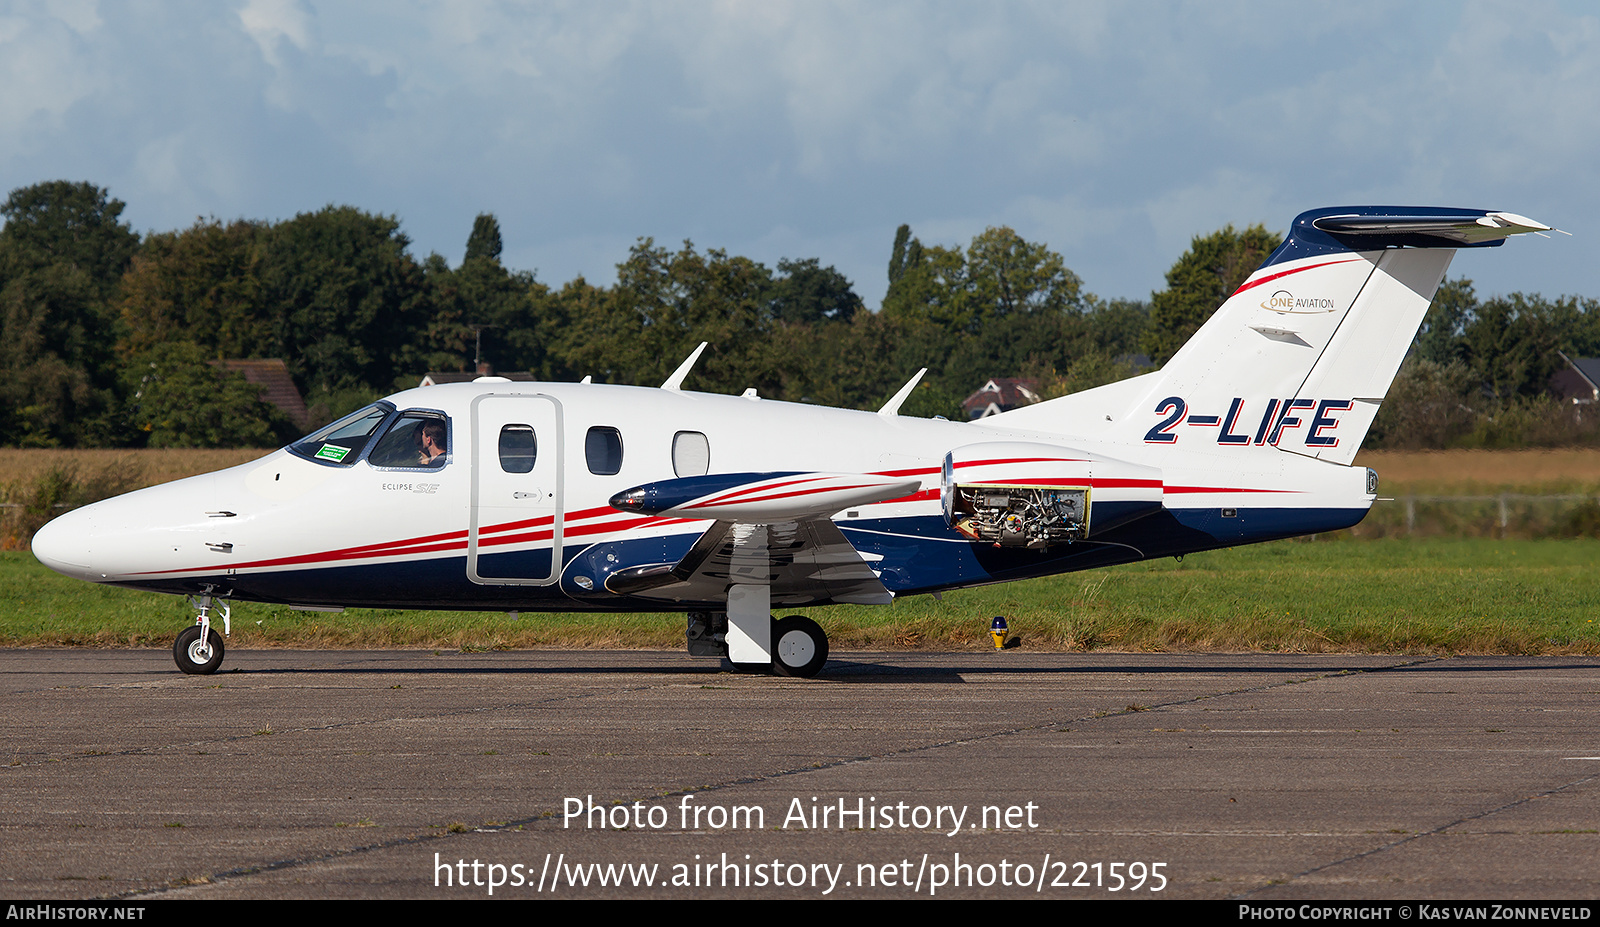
(892, 407)
(675, 382)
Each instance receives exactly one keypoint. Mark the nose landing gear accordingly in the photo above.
(198, 649)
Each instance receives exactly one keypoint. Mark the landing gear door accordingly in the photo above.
(514, 528)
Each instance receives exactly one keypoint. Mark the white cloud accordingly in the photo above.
(271, 22)
(43, 69)
(1115, 130)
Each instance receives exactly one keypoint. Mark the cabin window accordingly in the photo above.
(417, 440)
(603, 448)
(518, 448)
(691, 454)
(340, 443)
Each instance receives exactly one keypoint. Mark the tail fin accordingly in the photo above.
(1302, 354)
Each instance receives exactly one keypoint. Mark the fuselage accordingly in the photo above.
(314, 526)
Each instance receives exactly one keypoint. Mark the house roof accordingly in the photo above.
(271, 376)
(1000, 394)
(1580, 380)
(1588, 368)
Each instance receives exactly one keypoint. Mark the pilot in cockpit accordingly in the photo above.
(430, 438)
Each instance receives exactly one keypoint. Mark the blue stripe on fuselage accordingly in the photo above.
(918, 554)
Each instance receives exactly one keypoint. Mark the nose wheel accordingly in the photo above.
(198, 649)
(198, 654)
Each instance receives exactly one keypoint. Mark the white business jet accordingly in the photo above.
(525, 497)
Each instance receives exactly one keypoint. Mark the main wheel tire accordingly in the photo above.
(195, 657)
(799, 647)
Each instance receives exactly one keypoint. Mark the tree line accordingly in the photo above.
(105, 334)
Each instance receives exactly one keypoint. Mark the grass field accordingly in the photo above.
(144, 467)
(1476, 472)
(1385, 596)
(1440, 472)
(1468, 594)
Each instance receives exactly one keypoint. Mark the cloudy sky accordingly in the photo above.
(1112, 131)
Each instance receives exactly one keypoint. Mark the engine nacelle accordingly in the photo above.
(1019, 494)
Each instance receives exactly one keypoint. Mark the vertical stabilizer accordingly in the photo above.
(1300, 357)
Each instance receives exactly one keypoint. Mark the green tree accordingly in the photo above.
(1429, 405)
(72, 224)
(201, 285)
(1454, 306)
(998, 275)
(897, 254)
(176, 399)
(1007, 275)
(1003, 306)
(62, 252)
(663, 304)
(484, 242)
(860, 364)
(1511, 342)
(1200, 282)
(1118, 327)
(347, 300)
(52, 360)
(807, 293)
(505, 317)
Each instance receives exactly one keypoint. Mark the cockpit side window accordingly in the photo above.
(341, 443)
(416, 440)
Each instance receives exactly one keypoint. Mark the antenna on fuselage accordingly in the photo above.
(892, 407)
(675, 382)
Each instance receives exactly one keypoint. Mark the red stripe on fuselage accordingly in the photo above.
(1194, 489)
(434, 543)
(780, 495)
(917, 471)
(729, 495)
(1018, 460)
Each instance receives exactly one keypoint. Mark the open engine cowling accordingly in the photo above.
(1020, 494)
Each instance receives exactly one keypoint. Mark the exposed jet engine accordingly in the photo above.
(1015, 494)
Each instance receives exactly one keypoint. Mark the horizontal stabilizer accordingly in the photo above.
(1300, 357)
(1460, 228)
(761, 498)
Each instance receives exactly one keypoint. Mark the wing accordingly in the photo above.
(807, 561)
(770, 529)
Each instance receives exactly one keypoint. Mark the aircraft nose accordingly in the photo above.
(63, 545)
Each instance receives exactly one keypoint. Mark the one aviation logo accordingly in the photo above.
(1284, 302)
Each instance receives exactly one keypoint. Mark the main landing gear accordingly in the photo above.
(799, 646)
(198, 649)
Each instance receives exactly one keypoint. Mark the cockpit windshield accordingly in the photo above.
(340, 444)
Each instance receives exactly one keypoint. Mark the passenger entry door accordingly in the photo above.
(514, 527)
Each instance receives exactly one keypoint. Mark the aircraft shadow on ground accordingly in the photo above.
(852, 670)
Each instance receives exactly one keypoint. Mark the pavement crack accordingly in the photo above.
(1413, 838)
